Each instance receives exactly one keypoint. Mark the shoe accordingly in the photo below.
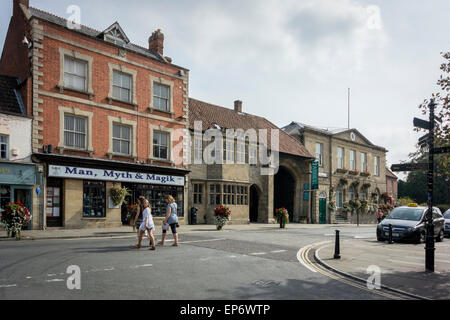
(175, 245)
(160, 244)
(153, 249)
(136, 246)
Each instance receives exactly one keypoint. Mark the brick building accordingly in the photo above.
(106, 114)
(391, 185)
(240, 180)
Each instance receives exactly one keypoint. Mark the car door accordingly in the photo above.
(438, 221)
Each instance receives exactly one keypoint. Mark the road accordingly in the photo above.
(228, 265)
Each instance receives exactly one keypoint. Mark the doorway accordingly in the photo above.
(54, 208)
(284, 191)
(323, 208)
(254, 204)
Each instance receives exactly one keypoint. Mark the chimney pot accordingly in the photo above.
(238, 106)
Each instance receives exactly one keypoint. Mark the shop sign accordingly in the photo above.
(113, 175)
(315, 176)
(17, 174)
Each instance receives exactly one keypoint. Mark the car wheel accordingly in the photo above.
(440, 237)
(420, 238)
(379, 239)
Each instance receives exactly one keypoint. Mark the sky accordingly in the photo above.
(294, 60)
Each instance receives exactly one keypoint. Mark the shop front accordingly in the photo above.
(78, 190)
(17, 184)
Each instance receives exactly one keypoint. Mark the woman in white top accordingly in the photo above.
(147, 225)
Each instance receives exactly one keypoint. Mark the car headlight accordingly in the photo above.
(411, 229)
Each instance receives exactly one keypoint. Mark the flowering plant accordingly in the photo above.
(222, 215)
(282, 214)
(132, 209)
(15, 216)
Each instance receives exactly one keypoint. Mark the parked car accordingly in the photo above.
(447, 223)
(409, 223)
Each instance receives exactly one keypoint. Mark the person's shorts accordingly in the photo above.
(173, 226)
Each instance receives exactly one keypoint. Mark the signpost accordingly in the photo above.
(315, 176)
(426, 140)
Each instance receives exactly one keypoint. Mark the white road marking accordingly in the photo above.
(51, 275)
(258, 254)
(143, 266)
(29, 278)
(109, 269)
(8, 286)
(232, 257)
(278, 251)
(55, 280)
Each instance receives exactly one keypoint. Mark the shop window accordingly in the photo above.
(5, 197)
(75, 132)
(121, 139)
(53, 209)
(4, 147)
(215, 194)
(233, 196)
(160, 145)
(198, 194)
(94, 199)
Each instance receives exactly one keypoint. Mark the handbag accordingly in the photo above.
(166, 227)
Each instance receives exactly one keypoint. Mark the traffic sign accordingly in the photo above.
(406, 167)
(315, 176)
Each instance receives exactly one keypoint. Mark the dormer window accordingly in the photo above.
(114, 34)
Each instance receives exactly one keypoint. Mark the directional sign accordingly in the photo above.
(441, 150)
(424, 140)
(315, 176)
(419, 123)
(406, 167)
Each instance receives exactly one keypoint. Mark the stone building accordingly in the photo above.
(105, 113)
(244, 181)
(391, 185)
(350, 167)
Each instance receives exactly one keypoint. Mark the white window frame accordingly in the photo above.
(353, 165)
(121, 87)
(120, 139)
(364, 167)
(241, 151)
(77, 56)
(76, 132)
(7, 146)
(341, 157)
(377, 166)
(170, 133)
(125, 122)
(319, 153)
(163, 82)
(122, 69)
(78, 113)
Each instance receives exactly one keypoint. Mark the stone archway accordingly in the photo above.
(284, 191)
(254, 204)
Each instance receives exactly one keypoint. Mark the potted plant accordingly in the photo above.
(346, 208)
(343, 182)
(222, 215)
(282, 217)
(15, 216)
(131, 212)
(365, 174)
(118, 195)
(354, 172)
(341, 171)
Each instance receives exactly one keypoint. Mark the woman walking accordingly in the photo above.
(147, 225)
(170, 220)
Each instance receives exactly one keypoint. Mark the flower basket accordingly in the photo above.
(365, 174)
(343, 182)
(282, 217)
(332, 206)
(118, 195)
(14, 218)
(222, 215)
(343, 171)
(354, 173)
(132, 210)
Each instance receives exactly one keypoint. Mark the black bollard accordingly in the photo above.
(390, 234)
(337, 249)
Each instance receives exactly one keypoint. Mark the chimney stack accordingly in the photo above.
(238, 106)
(16, 6)
(156, 42)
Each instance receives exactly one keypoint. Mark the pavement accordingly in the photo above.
(126, 231)
(401, 265)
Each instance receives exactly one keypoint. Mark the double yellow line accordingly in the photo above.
(314, 266)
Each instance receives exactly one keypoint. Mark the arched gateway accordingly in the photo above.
(284, 191)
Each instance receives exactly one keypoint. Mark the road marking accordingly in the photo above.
(29, 278)
(143, 266)
(8, 286)
(109, 269)
(55, 280)
(51, 274)
(258, 254)
(278, 251)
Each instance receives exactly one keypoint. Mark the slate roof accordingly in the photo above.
(10, 102)
(90, 32)
(212, 115)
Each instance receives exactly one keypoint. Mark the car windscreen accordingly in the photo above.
(411, 214)
(447, 215)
